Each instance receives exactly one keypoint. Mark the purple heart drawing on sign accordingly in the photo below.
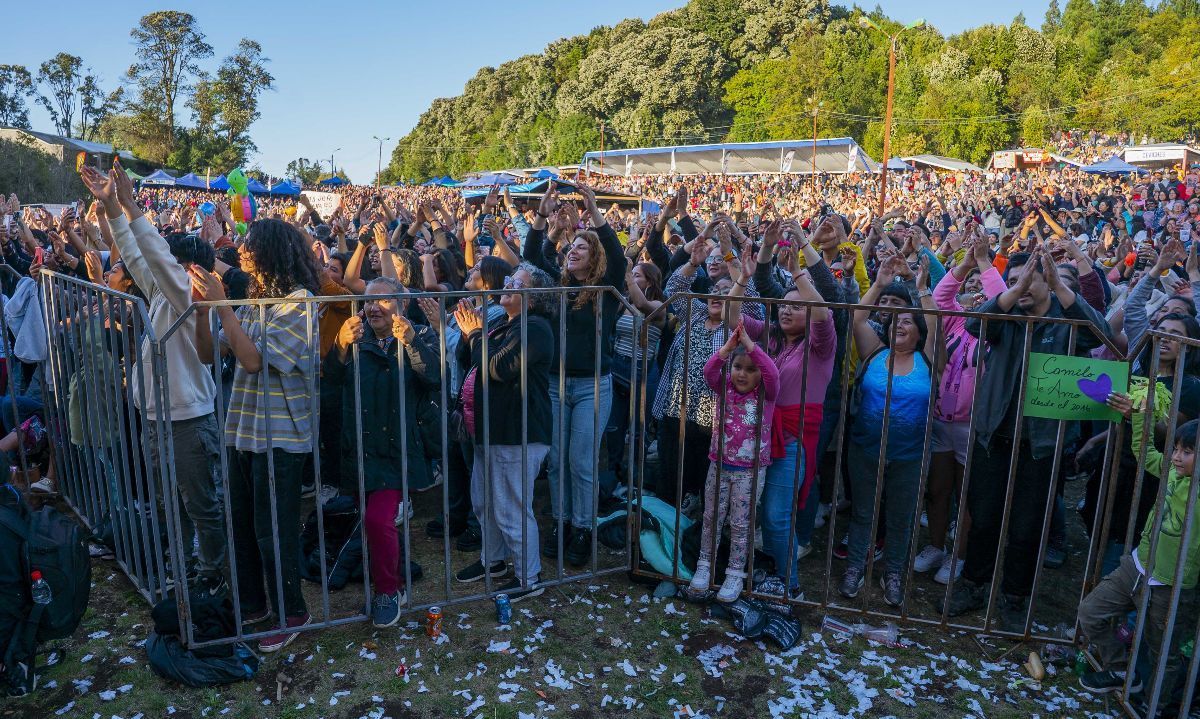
(1097, 389)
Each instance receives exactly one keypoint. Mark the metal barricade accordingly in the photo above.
(920, 606)
(97, 377)
(353, 603)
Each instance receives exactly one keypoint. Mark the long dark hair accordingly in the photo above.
(283, 259)
(1191, 328)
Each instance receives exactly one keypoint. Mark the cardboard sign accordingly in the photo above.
(1065, 387)
(323, 202)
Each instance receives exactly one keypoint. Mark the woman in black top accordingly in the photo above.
(510, 445)
(592, 258)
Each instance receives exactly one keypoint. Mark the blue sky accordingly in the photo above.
(346, 71)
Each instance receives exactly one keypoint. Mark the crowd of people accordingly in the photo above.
(742, 401)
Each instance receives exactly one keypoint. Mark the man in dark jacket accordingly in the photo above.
(1035, 290)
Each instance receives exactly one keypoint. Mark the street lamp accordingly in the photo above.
(868, 23)
(379, 166)
(332, 167)
(816, 107)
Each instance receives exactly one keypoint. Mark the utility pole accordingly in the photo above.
(893, 39)
(379, 165)
(332, 168)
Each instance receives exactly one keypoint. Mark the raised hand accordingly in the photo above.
(403, 330)
(351, 331)
(206, 286)
(429, 306)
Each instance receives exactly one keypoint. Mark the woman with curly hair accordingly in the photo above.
(268, 427)
(592, 258)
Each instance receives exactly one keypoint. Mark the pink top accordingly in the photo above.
(820, 345)
(742, 413)
(958, 380)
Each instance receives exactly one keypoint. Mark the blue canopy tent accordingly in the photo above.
(191, 180)
(544, 173)
(1113, 166)
(219, 184)
(285, 188)
(489, 179)
(158, 177)
(256, 187)
(335, 181)
(898, 165)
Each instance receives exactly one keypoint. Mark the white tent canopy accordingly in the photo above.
(836, 156)
(942, 163)
(1160, 154)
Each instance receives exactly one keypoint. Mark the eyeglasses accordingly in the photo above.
(512, 282)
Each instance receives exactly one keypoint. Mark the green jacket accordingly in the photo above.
(1174, 509)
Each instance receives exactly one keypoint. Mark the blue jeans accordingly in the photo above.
(578, 436)
(778, 498)
(901, 480)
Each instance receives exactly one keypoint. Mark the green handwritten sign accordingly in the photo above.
(1064, 387)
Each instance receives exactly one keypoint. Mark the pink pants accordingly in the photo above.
(383, 540)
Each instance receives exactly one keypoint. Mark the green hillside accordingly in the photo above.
(742, 70)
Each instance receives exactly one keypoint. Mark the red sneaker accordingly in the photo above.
(275, 642)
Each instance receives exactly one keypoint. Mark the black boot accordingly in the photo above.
(550, 540)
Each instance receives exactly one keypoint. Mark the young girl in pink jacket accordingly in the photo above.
(743, 451)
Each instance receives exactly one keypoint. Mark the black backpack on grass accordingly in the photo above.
(49, 542)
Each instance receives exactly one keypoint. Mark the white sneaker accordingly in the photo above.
(822, 515)
(43, 485)
(701, 579)
(400, 513)
(929, 558)
(805, 550)
(731, 587)
(943, 574)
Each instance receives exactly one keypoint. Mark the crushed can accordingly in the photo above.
(503, 609)
(433, 622)
(401, 670)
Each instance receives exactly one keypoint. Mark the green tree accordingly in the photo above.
(168, 46)
(61, 76)
(16, 86)
(304, 170)
(241, 79)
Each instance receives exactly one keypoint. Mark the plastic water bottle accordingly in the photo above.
(39, 589)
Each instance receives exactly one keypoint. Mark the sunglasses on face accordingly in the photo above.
(512, 282)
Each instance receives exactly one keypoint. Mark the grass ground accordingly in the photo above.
(588, 649)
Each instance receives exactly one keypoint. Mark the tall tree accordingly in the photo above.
(168, 46)
(95, 106)
(61, 76)
(241, 78)
(16, 85)
(305, 170)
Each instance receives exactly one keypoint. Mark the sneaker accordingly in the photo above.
(842, 550)
(690, 506)
(822, 515)
(385, 609)
(475, 572)
(100, 551)
(328, 492)
(732, 587)
(435, 529)
(965, 597)
(45, 485)
(261, 615)
(701, 579)
(308, 491)
(1012, 613)
(891, 584)
(929, 558)
(1055, 557)
(925, 520)
(943, 574)
(1104, 682)
(517, 591)
(211, 585)
(550, 540)
(852, 582)
(579, 551)
(471, 540)
(400, 513)
(805, 550)
(275, 642)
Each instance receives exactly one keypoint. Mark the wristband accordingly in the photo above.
(539, 214)
(728, 256)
